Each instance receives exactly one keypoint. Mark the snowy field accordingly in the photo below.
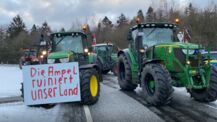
(10, 79)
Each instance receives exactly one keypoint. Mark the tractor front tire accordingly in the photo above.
(90, 87)
(156, 84)
(208, 94)
(124, 74)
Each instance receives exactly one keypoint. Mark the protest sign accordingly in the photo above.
(51, 83)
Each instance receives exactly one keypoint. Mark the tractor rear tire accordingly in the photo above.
(125, 75)
(90, 86)
(156, 84)
(208, 94)
(100, 66)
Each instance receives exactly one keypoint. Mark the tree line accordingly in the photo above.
(201, 24)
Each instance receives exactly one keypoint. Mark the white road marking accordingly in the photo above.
(87, 113)
(211, 106)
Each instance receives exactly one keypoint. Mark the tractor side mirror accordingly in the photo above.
(180, 36)
(139, 43)
(129, 36)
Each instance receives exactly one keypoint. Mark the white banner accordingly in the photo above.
(51, 83)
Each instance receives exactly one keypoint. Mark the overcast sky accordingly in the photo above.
(63, 13)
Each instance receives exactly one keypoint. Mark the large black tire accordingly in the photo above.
(105, 71)
(208, 94)
(87, 98)
(125, 75)
(99, 63)
(161, 92)
(46, 106)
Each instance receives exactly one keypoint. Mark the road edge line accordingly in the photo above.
(87, 113)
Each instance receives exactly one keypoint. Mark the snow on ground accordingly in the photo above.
(183, 91)
(18, 112)
(10, 79)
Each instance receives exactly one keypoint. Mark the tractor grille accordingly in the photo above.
(180, 55)
(195, 59)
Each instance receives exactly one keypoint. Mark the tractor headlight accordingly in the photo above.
(142, 50)
(188, 62)
(189, 51)
(64, 60)
(86, 50)
(50, 61)
(44, 52)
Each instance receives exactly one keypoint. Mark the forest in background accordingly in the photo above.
(202, 25)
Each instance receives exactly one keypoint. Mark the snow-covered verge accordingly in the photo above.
(18, 112)
(10, 79)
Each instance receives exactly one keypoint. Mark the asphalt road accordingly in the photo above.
(182, 109)
(114, 105)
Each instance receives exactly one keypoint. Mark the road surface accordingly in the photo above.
(113, 105)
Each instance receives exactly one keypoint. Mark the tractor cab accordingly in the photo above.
(68, 47)
(154, 33)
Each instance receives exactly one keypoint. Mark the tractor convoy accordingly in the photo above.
(156, 60)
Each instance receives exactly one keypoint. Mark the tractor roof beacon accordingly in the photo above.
(157, 61)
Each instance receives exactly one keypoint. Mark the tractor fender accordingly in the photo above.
(145, 61)
(90, 66)
(123, 52)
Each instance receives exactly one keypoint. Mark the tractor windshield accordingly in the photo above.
(154, 36)
(103, 48)
(69, 43)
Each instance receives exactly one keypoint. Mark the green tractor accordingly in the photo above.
(106, 57)
(74, 47)
(157, 61)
